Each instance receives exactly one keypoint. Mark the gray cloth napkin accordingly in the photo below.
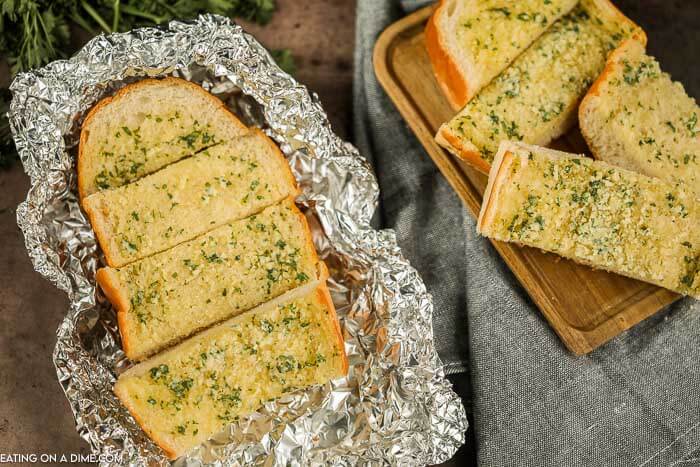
(634, 401)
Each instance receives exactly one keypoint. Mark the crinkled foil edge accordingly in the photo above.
(394, 407)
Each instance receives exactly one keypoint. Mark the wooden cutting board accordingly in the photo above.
(585, 307)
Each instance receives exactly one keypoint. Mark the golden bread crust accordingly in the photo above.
(93, 207)
(324, 297)
(449, 77)
(595, 89)
(286, 171)
(123, 396)
(83, 181)
(114, 291)
(445, 137)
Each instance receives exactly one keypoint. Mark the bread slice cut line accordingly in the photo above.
(187, 394)
(470, 42)
(634, 116)
(535, 100)
(595, 214)
(145, 126)
(190, 197)
(164, 298)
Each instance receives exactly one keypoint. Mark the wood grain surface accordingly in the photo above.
(585, 307)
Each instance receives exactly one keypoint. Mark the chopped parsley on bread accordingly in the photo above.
(222, 183)
(208, 257)
(169, 296)
(536, 98)
(636, 117)
(471, 41)
(595, 214)
(146, 126)
(189, 393)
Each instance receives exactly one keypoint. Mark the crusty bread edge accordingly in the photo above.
(126, 400)
(92, 205)
(499, 170)
(324, 296)
(464, 150)
(453, 83)
(114, 290)
(620, 17)
(281, 161)
(143, 367)
(595, 90)
(499, 176)
(83, 182)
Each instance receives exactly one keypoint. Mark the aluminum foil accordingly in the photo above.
(394, 407)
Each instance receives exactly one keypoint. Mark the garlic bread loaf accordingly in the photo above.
(169, 296)
(636, 117)
(146, 126)
(190, 197)
(186, 395)
(536, 99)
(471, 41)
(596, 214)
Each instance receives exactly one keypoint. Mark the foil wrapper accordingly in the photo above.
(394, 407)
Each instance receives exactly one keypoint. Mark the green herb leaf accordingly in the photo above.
(35, 32)
(285, 60)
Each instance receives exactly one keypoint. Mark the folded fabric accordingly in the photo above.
(635, 401)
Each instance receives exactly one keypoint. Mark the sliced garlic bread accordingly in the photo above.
(535, 100)
(596, 214)
(220, 184)
(636, 117)
(146, 126)
(168, 296)
(193, 391)
(471, 41)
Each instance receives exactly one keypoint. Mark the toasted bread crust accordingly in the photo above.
(458, 147)
(595, 89)
(123, 396)
(100, 225)
(83, 181)
(116, 294)
(449, 77)
(497, 176)
(324, 296)
(286, 171)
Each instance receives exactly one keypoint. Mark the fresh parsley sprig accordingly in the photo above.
(35, 32)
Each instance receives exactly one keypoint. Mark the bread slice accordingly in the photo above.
(596, 214)
(223, 183)
(636, 117)
(471, 41)
(535, 100)
(191, 392)
(146, 126)
(168, 296)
